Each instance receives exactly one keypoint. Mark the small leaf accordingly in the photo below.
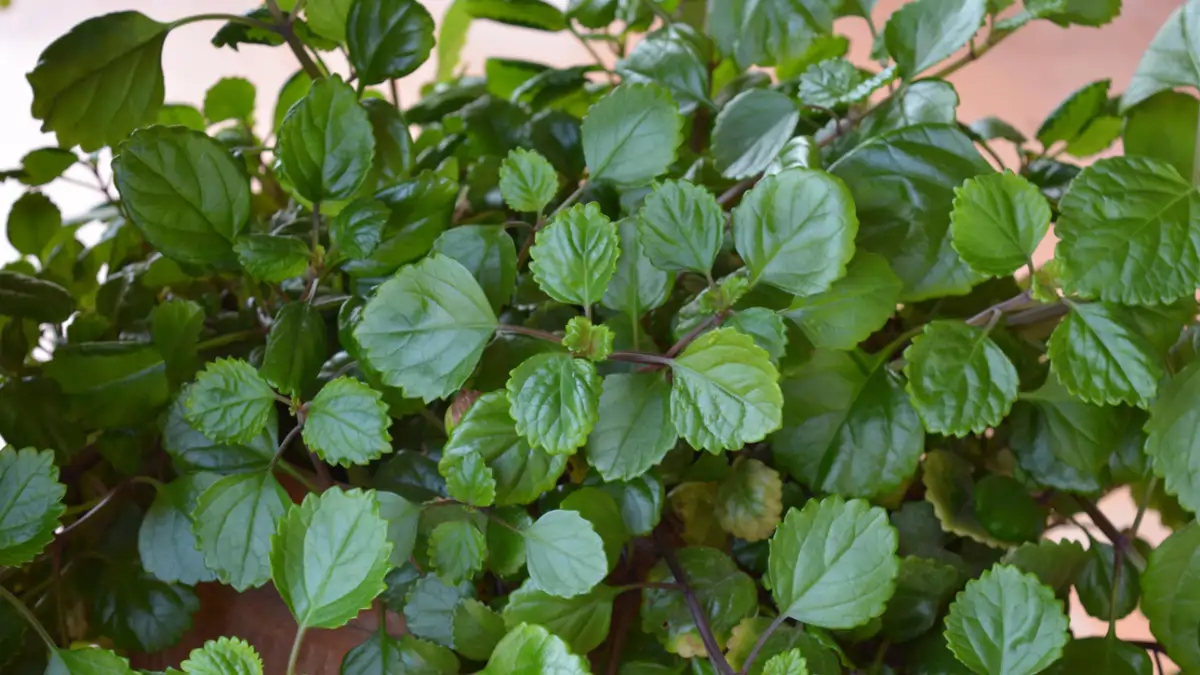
(30, 503)
(787, 663)
(347, 423)
(588, 341)
(1069, 120)
(1172, 437)
(830, 83)
(1006, 509)
(329, 557)
(477, 629)
(574, 257)
(357, 229)
(633, 431)
(1100, 358)
(230, 402)
(681, 227)
(527, 181)
(555, 401)
(725, 593)
(456, 551)
(233, 523)
(33, 222)
(765, 326)
(530, 649)
(581, 621)
(1054, 563)
(1168, 585)
(111, 384)
(326, 142)
(630, 135)
(488, 253)
(29, 297)
(923, 33)
(1006, 622)
(175, 327)
(231, 98)
(272, 258)
(725, 393)
(382, 654)
(506, 545)
(853, 308)
(223, 656)
(402, 518)
(753, 34)
(641, 502)
(564, 554)
(387, 39)
(470, 480)
(429, 609)
(601, 510)
(749, 500)
(166, 542)
(44, 165)
(751, 130)
(1095, 585)
(833, 564)
(295, 349)
(191, 450)
(998, 221)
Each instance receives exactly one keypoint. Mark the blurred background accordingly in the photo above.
(1020, 81)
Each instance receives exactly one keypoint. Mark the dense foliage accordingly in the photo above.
(732, 359)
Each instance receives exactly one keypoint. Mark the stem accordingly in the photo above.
(706, 635)
(287, 440)
(227, 339)
(993, 39)
(28, 616)
(531, 332)
(291, 669)
(395, 93)
(571, 199)
(1196, 155)
(299, 477)
(1118, 562)
(1141, 512)
(324, 478)
(711, 322)
(894, 345)
(1037, 314)
(762, 640)
(284, 28)
(988, 315)
(737, 190)
(234, 18)
(666, 586)
(316, 227)
(1114, 536)
(640, 357)
(588, 46)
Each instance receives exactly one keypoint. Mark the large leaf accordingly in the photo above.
(1168, 588)
(347, 423)
(185, 193)
(923, 587)
(101, 80)
(488, 253)
(681, 227)
(29, 297)
(630, 135)
(87, 661)
(751, 130)
(272, 258)
(230, 402)
(357, 229)
(581, 621)
(329, 557)
(1142, 249)
(853, 308)
(998, 221)
(429, 609)
(387, 39)
(725, 392)
(555, 401)
(848, 432)
(425, 329)
(564, 554)
(725, 594)
(1173, 433)
(531, 649)
(477, 629)
(1171, 61)
(234, 521)
(833, 564)
(574, 257)
(921, 34)
(1101, 358)
(421, 208)
(1106, 591)
(1104, 656)
(166, 542)
(633, 431)
(326, 142)
(295, 349)
(30, 503)
(1164, 127)
(959, 380)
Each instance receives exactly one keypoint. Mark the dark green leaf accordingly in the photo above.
(751, 130)
(853, 308)
(477, 629)
(295, 349)
(387, 39)
(326, 142)
(726, 594)
(1168, 586)
(582, 621)
(1103, 656)
(33, 222)
(1073, 115)
(637, 286)
(488, 252)
(111, 384)
(43, 165)
(754, 34)
(429, 609)
(923, 587)
(1095, 585)
(42, 301)
(139, 612)
(191, 450)
(357, 229)
(1006, 509)
(750, 500)
(175, 327)
(641, 501)
(670, 57)
(1164, 127)
(531, 649)
(1172, 436)
(1172, 60)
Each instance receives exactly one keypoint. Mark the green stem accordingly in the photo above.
(234, 18)
(28, 615)
(571, 199)
(588, 46)
(993, 39)
(1196, 155)
(1141, 512)
(299, 477)
(295, 656)
(762, 640)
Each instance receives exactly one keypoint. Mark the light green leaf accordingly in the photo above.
(633, 431)
(725, 393)
(751, 130)
(451, 39)
(347, 423)
(181, 114)
(230, 402)
(765, 326)
(233, 523)
(295, 349)
(402, 517)
(26, 296)
(832, 82)
(1006, 622)
(581, 621)
(531, 649)
(488, 252)
(329, 557)
(637, 286)
(534, 14)
(575, 256)
(457, 551)
(630, 135)
(101, 80)
(175, 327)
(357, 229)
(425, 329)
(87, 661)
(601, 510)
(555, 400)
(1173, 436)
(429, 609)
(43, 165)
(272, 258)
(923, 33)
(998, 221)
(328, 18)
(670, 57)
(1164, 127)
(1099, 357)
(166, 542)
(750, 500)
(959, 380)
(848, 432)
(326, 142)
(477, 629)
(588, 341)
(30, 503)
(752, 33)
(681, 227)
(1138, 250)
(853, 308)
(564, 554)
(787, 663)
(725, 593)
(833, 563)
(231, 98)
(1168, 587)
(185, 193)
(223, 656)
(387, 39)
(527, 181)
(33, 222)
(1171, 61)
(470, 480)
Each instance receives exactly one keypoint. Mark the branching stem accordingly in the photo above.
(720, 664)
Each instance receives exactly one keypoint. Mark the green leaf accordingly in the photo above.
(185, 193)
(922, 34)
(1006, 622)
(533, 14)
(421, 208)
(751, 130)
(750, 33)
(1174, 418)
(581, 621)
(33, 222)
(1138, 250)
(111, 384)
(506, 545)
(833, 563)
(294, 89)
(725, 392)
(1073, 115)
(750, 500)
(765, 326)
(382, 654)
(853, 308)
(87, 661)
(787, 663)
(959, 380)
(272, 258)
(531, 649)
(402, 517)
(231, 98)
(1164, 127)
(230, 402)
(357, 229)
(630, 135)
(223, 656)
(452, 38)
(564, 554)
(191, 450)
(43, 165)
(555, 400)
(633, 431)
(641, 502)
(234, 521)
(681, 227)
(101, 80)
(575, 256)
(796, 230)
(471, 481)
(923, 587)
(329, 557)
(587, 341)
(1171, 61)
(1100, 358)
(903, 184)
(1104, 656)
(30, 503)
(347, 423)
(725, 594)
(1054, 563)
(672, 58)
(477, 629)
(139, 612)
(637, 286)
(601, 510)
(521, 473)
(328, 18)
(998, 221)
(429, 609)
(488, 252)
(425, 329)
(295, 349)
(528, 181)
(849, 432)
(166, 542)
(387, 39)
(25, 296)
(1006, 509)
(456, 551)
(175, 327)
(1095, 585)
(1169, 583)
(326, 142)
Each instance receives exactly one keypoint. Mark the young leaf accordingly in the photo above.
(347, 423)
(33, 221)
(575, 256)
(751, 130)
(230, 402)
(527, 181)
(425, 329)
(921, 34)
(1101, 359)
(101, 80)
(787, 663)
(750, 500)
(231, 98)
(530, 649)
(998, 221)
(166, 542)
(681, 227)
(581, 621)
(329, 557)
(295, 349)
(30, 503)
(555, 400)
(630, 135)
(959, 380)
(326, 143)
(191, 450)
(457, 551)
(223, 656)
(564, 554)
(477, 629)
(429, 609)
(725, 393)
(233, 523)
(588, 341)
(87, 661)
(272, 258)
(1171, 577)
(725, 593)
(1027, 626)
(633, 430)
(1171, 59)
(387, 39)
(853, 308)
(1172, 436)
(357, 229)
(833, 563)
